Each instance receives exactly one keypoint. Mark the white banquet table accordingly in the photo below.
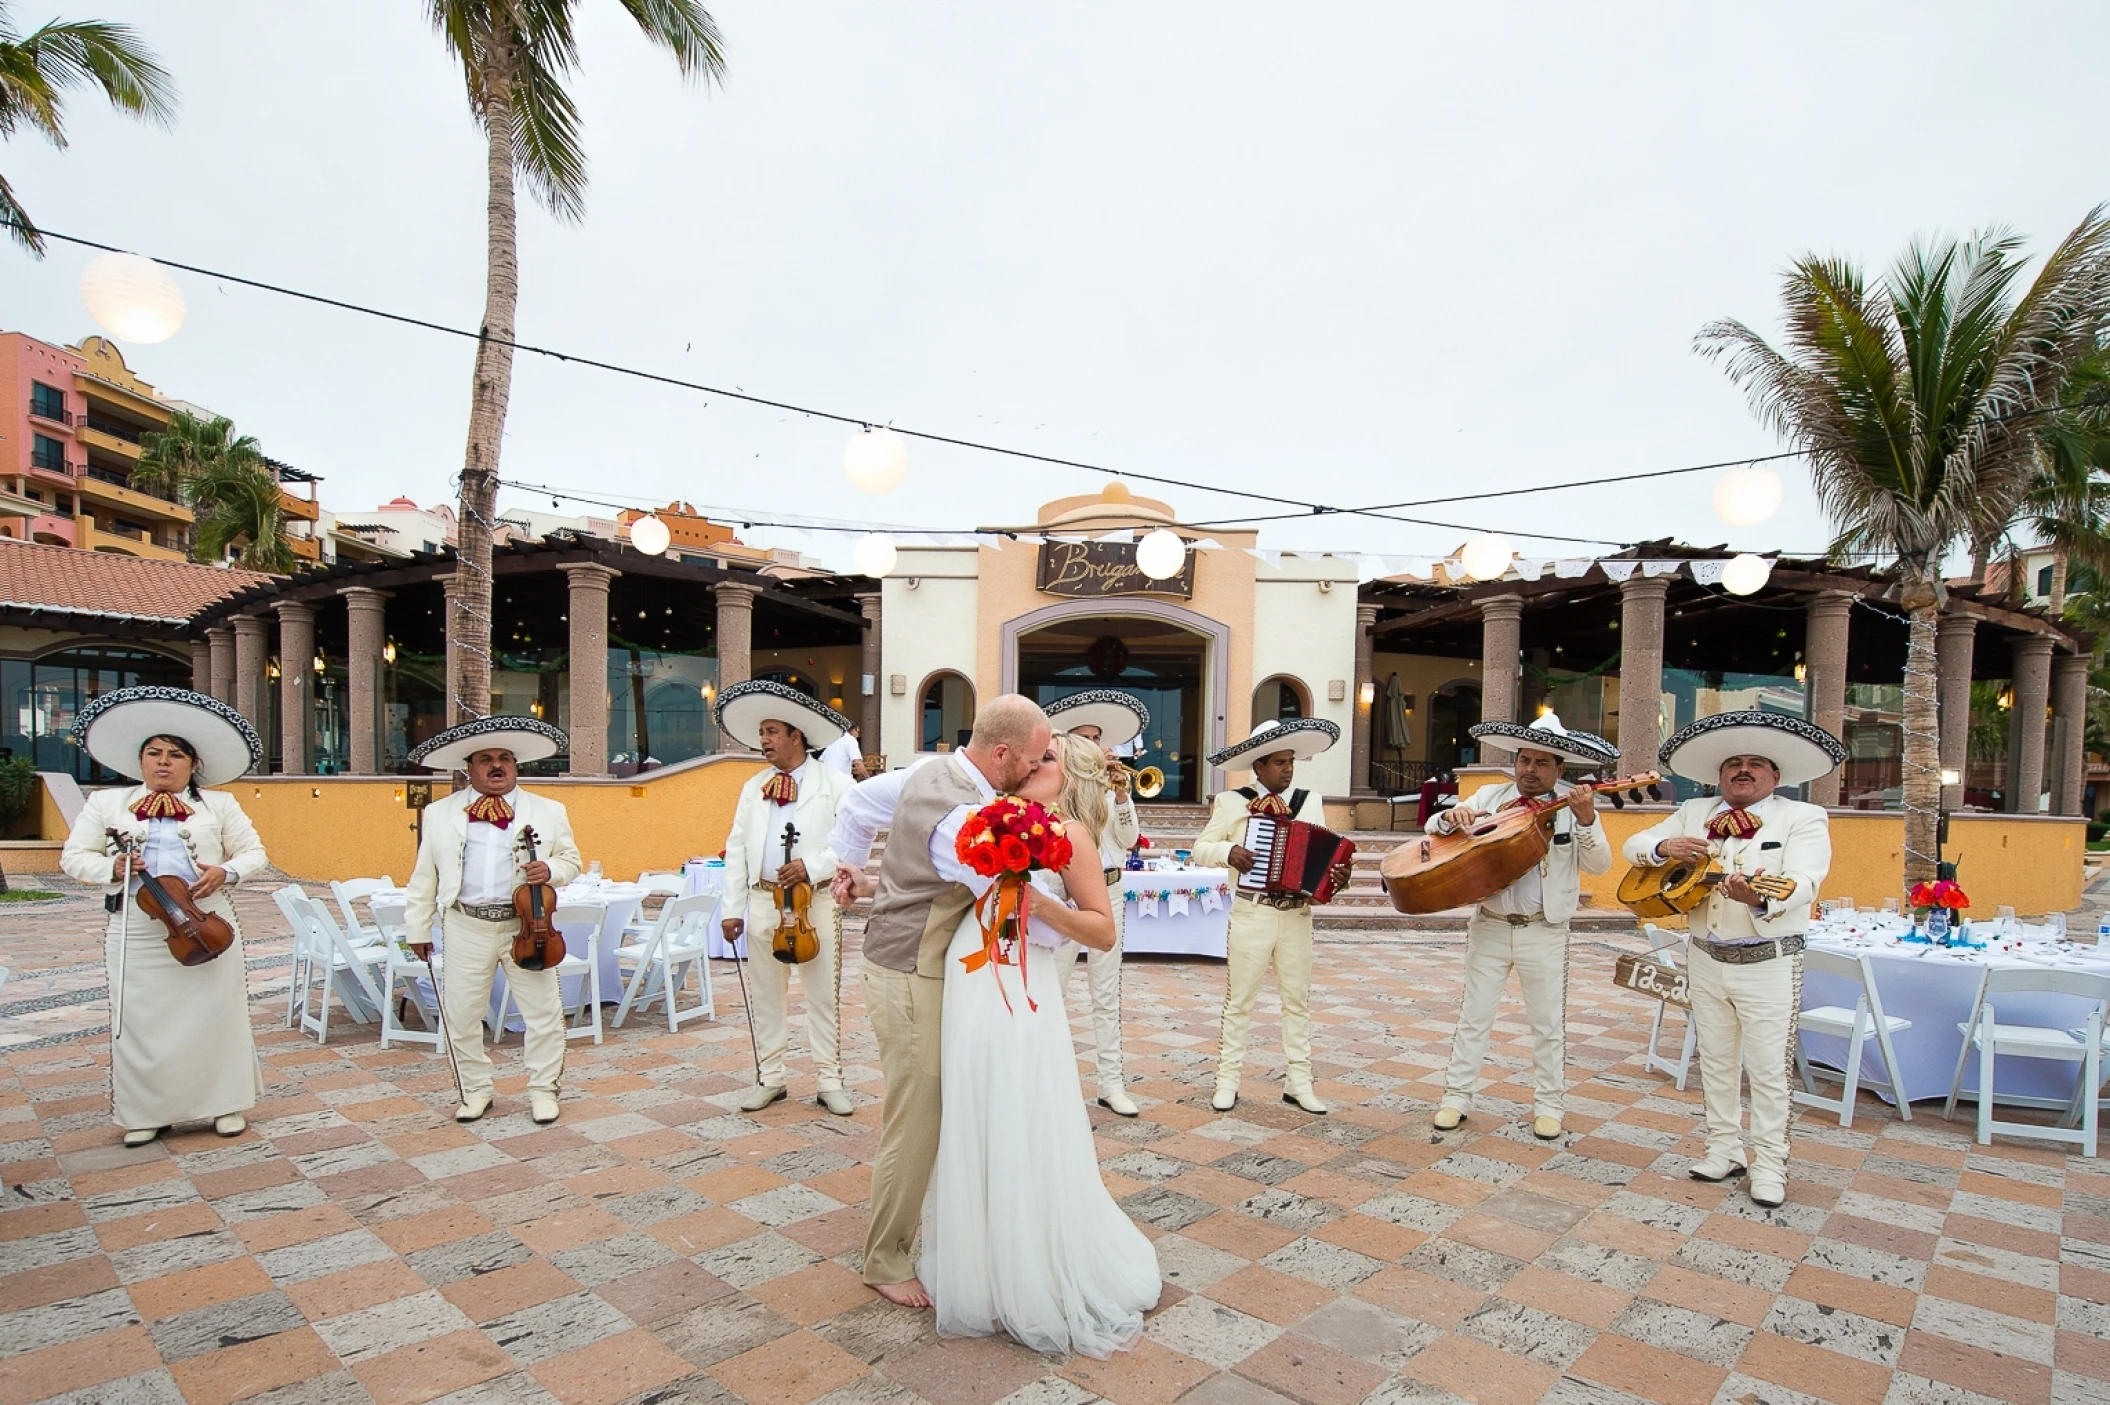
(1180, 912)
(1936, 988)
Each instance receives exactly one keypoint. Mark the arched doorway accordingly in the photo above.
(947, 715)
(1280, 699)
(1453, 709)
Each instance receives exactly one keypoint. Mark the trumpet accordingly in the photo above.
(1146, 784)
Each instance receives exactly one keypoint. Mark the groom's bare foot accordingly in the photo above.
(910, 1293)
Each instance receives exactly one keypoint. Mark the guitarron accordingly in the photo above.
(1439, 871)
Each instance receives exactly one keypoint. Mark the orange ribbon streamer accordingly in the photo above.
(1004, 906)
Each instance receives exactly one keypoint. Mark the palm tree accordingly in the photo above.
(2069, 507)
(1920, 404)
(37, 68)
(515, 56)
(228, 484)
(170, 458)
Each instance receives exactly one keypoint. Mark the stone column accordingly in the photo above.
(2069, 711)
(736, 631)
(2032, 685)
(219, 642)
(1955, 641)
(1501, 633)
(450, 584)
(367, 618)
(1824, 660)
(252, 646)
(868, 715)
(1640, 670)
(588, 664)
(201, 667)
(296, 686)
(1364, 699)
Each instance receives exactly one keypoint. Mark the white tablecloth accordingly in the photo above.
(1185, 912)
(706, 877)
(1936, 988)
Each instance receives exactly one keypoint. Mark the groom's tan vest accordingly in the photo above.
(915, 911)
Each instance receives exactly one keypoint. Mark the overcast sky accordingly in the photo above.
(1348, 253)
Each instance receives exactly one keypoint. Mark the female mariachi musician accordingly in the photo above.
(180, 1045)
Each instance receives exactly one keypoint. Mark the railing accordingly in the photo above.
(56, 413)
(124, 529)
(110, 475)
(116, 429)
(50, 463)
(1400, 777)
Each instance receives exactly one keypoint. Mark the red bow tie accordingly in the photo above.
(491, 809)
(1733, 824)
(1269, 805)
(161, 805)
(782, 787)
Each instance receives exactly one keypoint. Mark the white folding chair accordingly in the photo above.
(679, 938)
(1857, 1026)
(1989, 1036)
(1660, 944)
(349, 893)
(662, 885)
(330, 955)
(580, 926)
(399, 977)
(297, 988)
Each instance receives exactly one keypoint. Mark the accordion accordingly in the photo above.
(1292, 857)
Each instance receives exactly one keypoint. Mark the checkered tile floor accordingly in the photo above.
(658, 1246)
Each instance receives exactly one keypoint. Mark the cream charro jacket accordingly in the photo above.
(218, 835)
(437, 880)
(821, 792)
(1794, 840)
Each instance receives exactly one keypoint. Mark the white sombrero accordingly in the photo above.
(744, 707)
(1547, 734)
(526, 737)
(113, 727)
(1307, 736)
(1119, 717)
(1801, 751)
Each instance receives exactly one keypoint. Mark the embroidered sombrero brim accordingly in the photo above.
(1119, 717)
(1306, 736)
(1579, 748)
(744, 707)
(113, 727)
(1802, 752)
(526, 737)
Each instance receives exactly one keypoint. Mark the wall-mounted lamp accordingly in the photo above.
(1951, 776)
(1367, 693)
(2007, 699)
(320, 666)
(388, 652)
(1325, 587)
(271, 671)
(1802, 673)
(915, 582)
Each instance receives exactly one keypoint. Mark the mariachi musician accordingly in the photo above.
(1746, 967)
(180, 1045)
(1267, 928)
(472, 860)
(1113, 720)
(1524, 927)
(778, 842)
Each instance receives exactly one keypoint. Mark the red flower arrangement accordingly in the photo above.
(1007, 839)
(1945, 892)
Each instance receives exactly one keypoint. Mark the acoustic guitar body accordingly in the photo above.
(1440, 871)
(1664, 890)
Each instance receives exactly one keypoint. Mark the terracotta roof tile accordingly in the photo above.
(34, 576)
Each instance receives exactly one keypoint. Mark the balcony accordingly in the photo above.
(116, 429)
(108, 486)
(97, 434)
(53, 414)
(125, 538)
(50, 463)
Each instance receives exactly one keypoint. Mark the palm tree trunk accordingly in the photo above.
(1981, 556)
(2060, 561)
(470, 690)
(1922, 787)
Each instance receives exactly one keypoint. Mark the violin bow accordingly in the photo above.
(124, 933)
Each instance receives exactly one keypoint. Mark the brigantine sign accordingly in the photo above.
(1094, 570)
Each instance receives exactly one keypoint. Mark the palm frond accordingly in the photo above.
(686, 30)
(46, 62)
(20, 227)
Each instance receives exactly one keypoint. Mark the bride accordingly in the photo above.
(1020, 1234)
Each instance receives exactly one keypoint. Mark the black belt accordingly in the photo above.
(1283, 902)
(1751, 953)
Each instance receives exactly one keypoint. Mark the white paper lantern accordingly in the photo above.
(873, 555)
(1486, 556)
(650, 535)
(1745, 497)
(1161, 554)
(876, 460)
(133, 298)
(1746, 574)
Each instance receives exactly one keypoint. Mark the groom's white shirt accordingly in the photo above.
(945, 839)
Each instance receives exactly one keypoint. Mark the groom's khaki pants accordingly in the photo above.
(907, 1012)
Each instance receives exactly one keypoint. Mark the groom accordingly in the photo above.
(924, 891)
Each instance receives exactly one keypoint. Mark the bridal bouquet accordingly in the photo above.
(1007, 840)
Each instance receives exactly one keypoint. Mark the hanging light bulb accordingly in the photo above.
(1486, 556)
(874, 555)
(1746, 574)
(133, 298)
(876, 459)
(650, 535)
(1745, 497)
(1161, 554)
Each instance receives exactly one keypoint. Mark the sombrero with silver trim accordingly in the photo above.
(113, 727)
(528, 738)
(1119, 717)
(1307, 736)
(744, 707)
(1801, 751)
(1547, 734)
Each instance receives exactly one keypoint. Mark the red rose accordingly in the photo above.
(1058, 852)
(1013, 854)
(983, 859)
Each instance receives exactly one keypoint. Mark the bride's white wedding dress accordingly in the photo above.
(1019, 1233)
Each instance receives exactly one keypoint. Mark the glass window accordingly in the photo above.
(47, 401)
(47, 453)
(659, 707)
(42, 696)
(948, 712)
(2044, 580)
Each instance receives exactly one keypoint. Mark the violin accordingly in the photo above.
(195, 936)
(1440, 871)
(538, 945)
(795, 942)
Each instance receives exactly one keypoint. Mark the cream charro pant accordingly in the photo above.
(908, 1018)
(471, 952)
(1262, 937)
(1538, 953)
(820, 984)
(1745, 1016)
(1103, 978)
